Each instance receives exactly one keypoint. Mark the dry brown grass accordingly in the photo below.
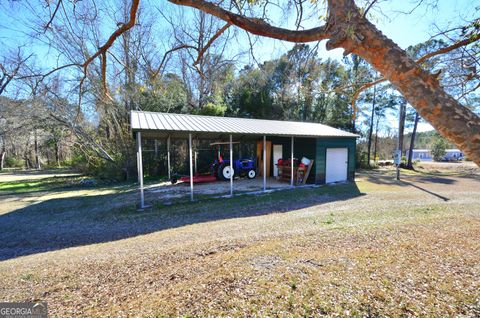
(398, 250)
(462, 167)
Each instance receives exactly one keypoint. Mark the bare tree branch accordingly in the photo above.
(44, 75)
(82, 135)
(184, 46)
(422, 59)
(257, 26)
(7, 77)
(452, 47)
(210, 42)
(103, 49)
(52, 17)
(370, 5)
(104, 76)
(473, 89)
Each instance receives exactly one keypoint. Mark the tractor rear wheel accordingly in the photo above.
(225, 172)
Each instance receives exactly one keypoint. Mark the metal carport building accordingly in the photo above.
(332, 149)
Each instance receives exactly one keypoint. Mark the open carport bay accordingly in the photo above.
(166, 193)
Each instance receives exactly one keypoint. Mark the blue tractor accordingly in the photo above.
(220, 168)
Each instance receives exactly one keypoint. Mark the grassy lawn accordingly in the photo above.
(375, 248)
(33, 185)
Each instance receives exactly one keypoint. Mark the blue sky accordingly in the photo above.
(404, 29)
(418, 27)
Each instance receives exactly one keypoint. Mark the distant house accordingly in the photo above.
(421, 154)
(425, 155)
(454, 154)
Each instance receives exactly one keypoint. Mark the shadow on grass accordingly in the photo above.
(411, 180)
(380, 177)
(427, 191)
(66, 222)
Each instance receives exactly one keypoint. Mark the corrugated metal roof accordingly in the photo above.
(168, 122)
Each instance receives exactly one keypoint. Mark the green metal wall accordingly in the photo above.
(321, 156)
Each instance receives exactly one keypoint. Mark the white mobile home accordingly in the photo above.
(425, 154)
(421, 154)
(453, 154)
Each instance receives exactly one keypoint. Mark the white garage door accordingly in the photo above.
(337, 164)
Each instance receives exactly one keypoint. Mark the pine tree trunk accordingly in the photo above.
(376, 139)
(412, 141)
(57, 153)
(371, 126)
(2, 159)
(27, 161)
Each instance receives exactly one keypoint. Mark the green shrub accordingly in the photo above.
(438, 149)
(362, 160)
(211, 109)
(49, 165)
(11, 162)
